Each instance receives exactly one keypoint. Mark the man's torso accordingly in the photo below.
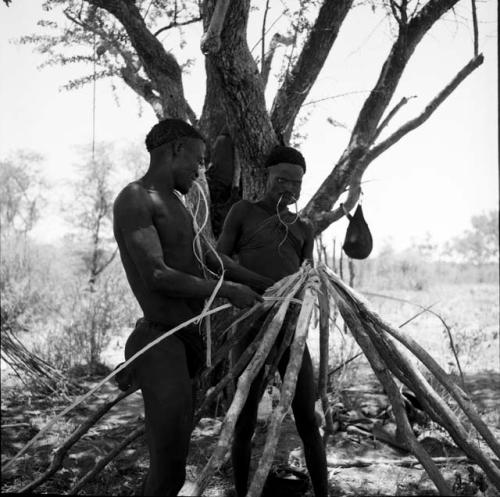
(270, 245)
(174, 227)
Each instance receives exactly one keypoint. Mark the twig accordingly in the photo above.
(390, 115)
(434, 313)
(474, 24)
(263, 46)
(344, 364)
(175, 24)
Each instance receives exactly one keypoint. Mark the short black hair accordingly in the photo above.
(169, 130)
(280, 153)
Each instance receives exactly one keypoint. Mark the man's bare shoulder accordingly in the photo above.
(241, 208)
(134, 198)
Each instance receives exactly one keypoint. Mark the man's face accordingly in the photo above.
(187, 156)
(284, 181)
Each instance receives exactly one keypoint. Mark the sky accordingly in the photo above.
(428, 185)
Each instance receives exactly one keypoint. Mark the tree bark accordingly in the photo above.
(242, 94)
(299, 81)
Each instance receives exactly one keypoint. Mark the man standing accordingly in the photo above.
(273, 242)
(154, 232)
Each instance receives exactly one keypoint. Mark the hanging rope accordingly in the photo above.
(93, 94)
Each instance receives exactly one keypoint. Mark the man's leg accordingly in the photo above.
(307, 427)
(243, 432)
(166, 389)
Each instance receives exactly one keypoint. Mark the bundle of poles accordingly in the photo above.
(286, 312)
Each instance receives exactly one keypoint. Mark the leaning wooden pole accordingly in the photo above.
(241, 395)
(418, 351)
(287, 389)
(385, 378)
(411, 376)
(324, 349)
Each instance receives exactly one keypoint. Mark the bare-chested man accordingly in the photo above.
(274, 242)
(155, 236)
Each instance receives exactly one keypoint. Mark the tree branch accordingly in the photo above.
(474, 24)
(263, 38)
(160, 65)
(211, 40)
(353, 158)
(428, 111)
(391, 114)
(408, 38)
(300, 79)
(267, 60)
(142, 87)
(175, 24)
(323, 219)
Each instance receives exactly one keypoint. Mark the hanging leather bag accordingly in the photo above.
(358, 242)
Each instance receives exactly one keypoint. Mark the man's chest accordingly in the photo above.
(262, 224)
(174, 225)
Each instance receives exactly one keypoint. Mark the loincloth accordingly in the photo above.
(145, 332)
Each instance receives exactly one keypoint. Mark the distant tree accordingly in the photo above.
(90, 212)
(21, 192)
(478, 245)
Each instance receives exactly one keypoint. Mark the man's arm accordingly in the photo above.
(307, 249)
(239, 274)
(133, 217)
(226, 246)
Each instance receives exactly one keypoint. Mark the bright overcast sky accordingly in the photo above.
(432, 181)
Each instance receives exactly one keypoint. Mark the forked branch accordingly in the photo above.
(428, 111)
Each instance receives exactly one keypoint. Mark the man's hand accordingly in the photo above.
(240, 295)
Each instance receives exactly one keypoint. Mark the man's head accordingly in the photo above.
(285, 168)
(182, 147)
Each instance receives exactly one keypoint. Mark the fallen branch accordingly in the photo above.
(406, 462)
(102, 463)
(102, 382)
(58, 458)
